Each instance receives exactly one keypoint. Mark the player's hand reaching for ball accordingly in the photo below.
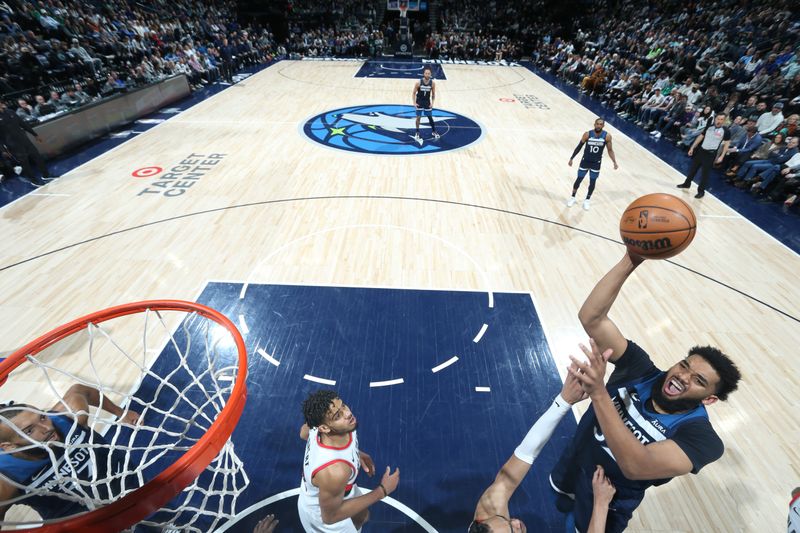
(389, 481)
(572, 391)
(591, 374)
(367, 464)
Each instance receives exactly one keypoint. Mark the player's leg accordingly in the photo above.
(593, 175)
(429, 114)
(419, 114)
(581, 174)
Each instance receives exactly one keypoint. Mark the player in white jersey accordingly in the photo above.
(330, 501)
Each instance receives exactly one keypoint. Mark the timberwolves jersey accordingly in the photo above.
(86, 453)
(424, 93)
(593, 152)
(690, 430)
(632, 403)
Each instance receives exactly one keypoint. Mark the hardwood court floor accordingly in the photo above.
(277, 208)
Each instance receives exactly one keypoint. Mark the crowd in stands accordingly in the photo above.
(671, 67)
(329, 42)
(326, 28)
(56, 56)
(667, 65)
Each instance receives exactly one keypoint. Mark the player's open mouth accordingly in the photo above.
(673, 387)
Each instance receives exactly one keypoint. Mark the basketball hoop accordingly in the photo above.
(210, 361)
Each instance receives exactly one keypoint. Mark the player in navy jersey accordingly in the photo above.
(25, 462)
(645, 426)
(423, 97)
(596, 141)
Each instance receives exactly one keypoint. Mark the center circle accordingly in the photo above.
(389, 129)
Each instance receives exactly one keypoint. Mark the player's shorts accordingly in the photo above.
(428, 111)
(593, 167)
(311, 515)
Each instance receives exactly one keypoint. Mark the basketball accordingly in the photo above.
(657, 226)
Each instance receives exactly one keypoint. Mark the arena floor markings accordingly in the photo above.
(413, 365)
(398, 69)
(245, 195)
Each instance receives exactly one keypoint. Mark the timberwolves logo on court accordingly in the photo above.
(389, 130)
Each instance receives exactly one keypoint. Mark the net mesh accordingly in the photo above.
(178, 391)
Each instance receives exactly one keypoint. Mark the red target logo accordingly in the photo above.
(146, 172)
(509, 100)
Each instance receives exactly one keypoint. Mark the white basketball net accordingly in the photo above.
(178, 396)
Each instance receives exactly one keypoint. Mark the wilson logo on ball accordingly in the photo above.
(648, 245)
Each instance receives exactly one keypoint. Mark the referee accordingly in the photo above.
(712, 137)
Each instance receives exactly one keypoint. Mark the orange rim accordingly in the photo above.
(154, 494)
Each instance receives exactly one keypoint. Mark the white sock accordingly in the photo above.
(541, 431)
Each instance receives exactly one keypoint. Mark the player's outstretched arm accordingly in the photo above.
(332, 482)
(494, 499)
(79, 398)
(594, 311)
